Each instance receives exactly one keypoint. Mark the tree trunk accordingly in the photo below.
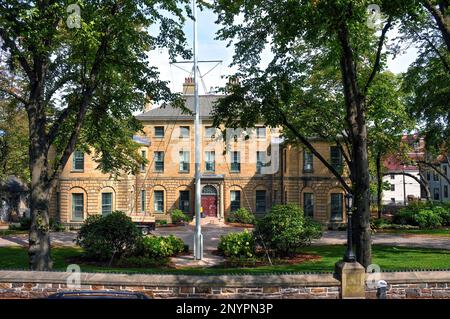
(441, 17)
(39, 236)
(354, 102)
(379, 184)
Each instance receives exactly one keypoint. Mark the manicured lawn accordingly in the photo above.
(388, 258)
(444, 232)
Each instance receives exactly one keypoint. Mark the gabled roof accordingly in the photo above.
(168, 111)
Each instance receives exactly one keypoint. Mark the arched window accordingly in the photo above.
(209, 190)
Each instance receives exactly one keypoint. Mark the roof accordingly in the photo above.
(394, 164)
(168, 111)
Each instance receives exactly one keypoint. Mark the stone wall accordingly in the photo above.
(25, 284)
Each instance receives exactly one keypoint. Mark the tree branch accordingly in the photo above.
(14, 95)
(376, 65)
(305, 142)
(418, 180)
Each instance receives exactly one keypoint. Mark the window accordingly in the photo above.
(184, 131)
(336, 158)
(143, 200)
(144, 155)
(393, 200)
(260, 160)
(307, 161)
(435, 177)
(445, 191)
(210, 132)
(428, 175)
(445, 170)
(159, 131)
(183, 202)
(78, 161)
(261, 132)
(392, 187)
(235, 203)
(436, 193)
(308, 204)
(392, 176)
(336, 207)
(159, 161)
(260, 201)
(184, 161)
(107, 203)
(235, 161)
(210, 158)
(159, 201)
(77, 206)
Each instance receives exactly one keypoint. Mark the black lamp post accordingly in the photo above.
(349, 255)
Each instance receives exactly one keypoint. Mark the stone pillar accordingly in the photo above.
(222, 202)
(352, 276)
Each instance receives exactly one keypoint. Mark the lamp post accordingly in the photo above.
(349, 255)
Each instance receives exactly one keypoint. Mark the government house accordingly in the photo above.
(251, 168)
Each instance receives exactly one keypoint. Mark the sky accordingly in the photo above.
(211, 49)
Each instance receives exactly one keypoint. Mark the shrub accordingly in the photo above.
(108, 237)
(423, 214)
(284, 229)
(160, 247)
(242, 216)
(178, 216)
(239, 245)
(55, 225)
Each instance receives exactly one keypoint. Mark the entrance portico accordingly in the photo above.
(213, 203)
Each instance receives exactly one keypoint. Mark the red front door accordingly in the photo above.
(209, 205)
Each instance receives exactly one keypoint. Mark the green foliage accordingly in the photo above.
(155, 247)
(242, 216)
(55, 225)
(237, 245)
(284, 229)
(24, 224)
(108, 237)
(178, 216)
(424, 214)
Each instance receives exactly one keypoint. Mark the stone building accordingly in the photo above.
(250, 168)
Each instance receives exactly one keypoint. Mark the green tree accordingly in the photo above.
(325, 59)
(427, 81)
(85, 74)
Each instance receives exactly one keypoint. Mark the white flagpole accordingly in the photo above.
(198, 237)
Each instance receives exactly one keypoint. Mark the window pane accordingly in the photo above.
(142, 200)
(210, 161)
(235, 161)
(260, 132)
(210, 132)
(260, 201)
(78, 160)
(159, 201)
(159, 161)
(159, 131)
(260, 161)
(235, 203)
(106, 203)
(184, 161)
(308, 204)
(307, 161)
(336, 207)
(77, 206)
(183, 203)
(336, 158)
(184, 131)
(144, 155)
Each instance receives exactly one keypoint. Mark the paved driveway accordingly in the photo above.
(212, 233)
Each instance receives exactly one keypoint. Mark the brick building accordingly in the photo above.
(249, 168)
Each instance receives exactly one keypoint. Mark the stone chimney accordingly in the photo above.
(188, 86)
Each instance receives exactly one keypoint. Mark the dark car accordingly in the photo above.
(81, 294)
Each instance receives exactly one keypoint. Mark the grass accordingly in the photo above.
(388, 258)
(442, 232)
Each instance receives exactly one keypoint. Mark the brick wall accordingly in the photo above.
(25, 284)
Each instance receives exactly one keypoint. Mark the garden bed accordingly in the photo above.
(239, 225)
